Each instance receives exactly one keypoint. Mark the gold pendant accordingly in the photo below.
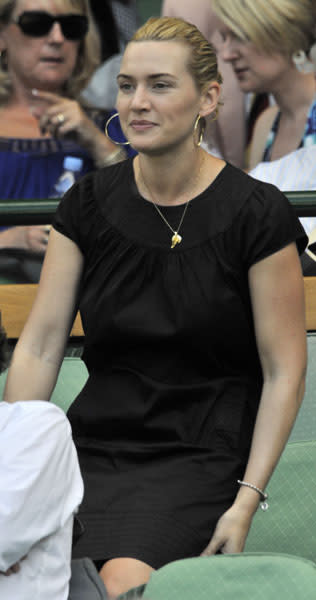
(176, 239)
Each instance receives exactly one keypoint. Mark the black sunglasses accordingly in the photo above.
(37, 23)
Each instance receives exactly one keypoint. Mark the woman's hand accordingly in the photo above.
(64, 118)
(61, 117)
(231, 532)
(30, 237)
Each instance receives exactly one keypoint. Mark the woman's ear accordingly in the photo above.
(210, 99)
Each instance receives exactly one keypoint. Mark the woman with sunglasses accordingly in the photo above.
(187, 274)
(49, 50)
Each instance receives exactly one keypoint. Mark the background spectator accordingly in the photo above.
(265, 42)
(226, 136)
(44, 65)
(116, 21)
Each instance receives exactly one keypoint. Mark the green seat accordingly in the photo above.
(290, 523)
(305, 425)
(234, 577)
(71, 379)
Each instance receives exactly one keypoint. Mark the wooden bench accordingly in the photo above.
(15, 305)
(310, 302)
(16, 301)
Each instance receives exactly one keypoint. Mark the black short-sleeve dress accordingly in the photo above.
(164, 422)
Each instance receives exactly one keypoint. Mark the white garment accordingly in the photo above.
(294, 172)
(40, 490)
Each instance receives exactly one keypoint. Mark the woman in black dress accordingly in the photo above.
(187, 275)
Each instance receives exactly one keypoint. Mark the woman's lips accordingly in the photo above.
(142, 125)
(52, 59)
(240, 72)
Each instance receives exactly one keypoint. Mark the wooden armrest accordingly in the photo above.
(310, 302)
(15, 304)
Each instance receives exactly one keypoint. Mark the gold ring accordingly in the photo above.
(60, 118)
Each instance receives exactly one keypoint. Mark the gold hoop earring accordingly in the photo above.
(108, 135)
(202, 129)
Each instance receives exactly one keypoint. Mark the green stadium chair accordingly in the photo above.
(265, 576)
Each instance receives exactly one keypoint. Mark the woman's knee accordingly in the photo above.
(121, 574)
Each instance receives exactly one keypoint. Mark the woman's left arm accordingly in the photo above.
(277, 294)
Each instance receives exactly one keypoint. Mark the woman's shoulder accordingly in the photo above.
(243, 197)
(259, 218)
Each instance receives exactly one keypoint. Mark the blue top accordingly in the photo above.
(29, 168)
(309, 136)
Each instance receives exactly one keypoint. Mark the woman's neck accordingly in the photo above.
(295, 93)
(174, 180)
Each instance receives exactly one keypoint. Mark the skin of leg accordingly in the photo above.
(121, 574)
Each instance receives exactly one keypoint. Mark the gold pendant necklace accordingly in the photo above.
(176, 238)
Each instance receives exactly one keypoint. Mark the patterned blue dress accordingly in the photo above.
(309, 136)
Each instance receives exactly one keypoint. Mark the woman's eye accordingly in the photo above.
(125, 87)
(160, 85)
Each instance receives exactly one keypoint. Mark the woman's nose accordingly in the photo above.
(55, 34)
(140, 98)
(229, 50)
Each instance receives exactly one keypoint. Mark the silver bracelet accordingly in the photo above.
(263, 496)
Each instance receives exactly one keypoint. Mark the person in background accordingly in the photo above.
(226, 135)
(187, 275)
(284, 145)
(266, 43)
(297, 170)
(49, 50)
(116, 20)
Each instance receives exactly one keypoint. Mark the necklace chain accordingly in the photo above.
(176, 238)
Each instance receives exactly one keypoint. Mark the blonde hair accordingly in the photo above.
(88, 53)
(202, 63)
(282, 26)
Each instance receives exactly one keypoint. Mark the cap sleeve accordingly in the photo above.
(76, 212)
(265, 224)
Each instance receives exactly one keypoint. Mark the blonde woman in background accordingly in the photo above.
(266, 43)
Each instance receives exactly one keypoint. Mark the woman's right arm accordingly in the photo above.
(39, 352)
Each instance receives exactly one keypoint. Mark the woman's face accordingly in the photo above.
(255, 70)
(158, 101)
(39, 62)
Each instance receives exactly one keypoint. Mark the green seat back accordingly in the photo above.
(72, 377)
(234, 577)
(305, 425)
(289, 525)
